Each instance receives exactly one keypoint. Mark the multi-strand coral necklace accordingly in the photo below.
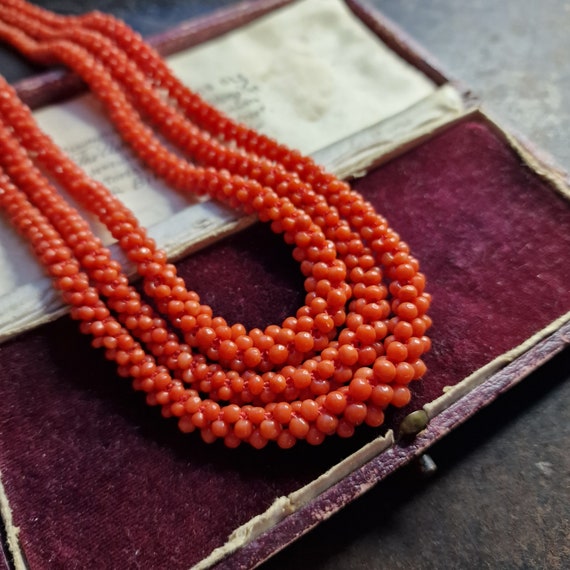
(349, 352)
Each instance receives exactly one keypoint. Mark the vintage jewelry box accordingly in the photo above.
(487, 218)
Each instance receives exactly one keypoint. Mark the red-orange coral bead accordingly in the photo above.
(384, 370)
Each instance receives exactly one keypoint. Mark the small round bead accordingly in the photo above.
(269, 429)
(299, 427)
(243, 429)
(310, 410)
(374, 416)
(384, 370)
(326, 423)
(355, 413)
(401, 396)
(282, 412)
(404, 373)
(304, 341)
(359, 389)
(278, 354)
(345, 429)
(219, 428)
(257, 440)
(396, 351)
(314, 436)
(348, 354)
(407, 310)
(335, 402)
(419, 368)
(381, 395)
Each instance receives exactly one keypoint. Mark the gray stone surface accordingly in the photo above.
(514, 54)
(501, 496)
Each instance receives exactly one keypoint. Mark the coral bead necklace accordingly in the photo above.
(347, 353)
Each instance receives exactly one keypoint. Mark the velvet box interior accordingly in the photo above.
(92, 477)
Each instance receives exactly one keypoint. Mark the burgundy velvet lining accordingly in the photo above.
(97, 479)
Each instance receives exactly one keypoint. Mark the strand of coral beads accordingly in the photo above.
(402, 329)
(113, 56)
(278, 354)
(73, 227)
(356, 383)
(402, 258)
(322, 420)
